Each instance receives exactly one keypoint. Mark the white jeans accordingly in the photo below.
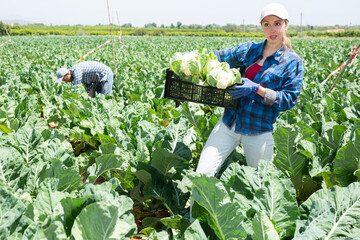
(222, 141)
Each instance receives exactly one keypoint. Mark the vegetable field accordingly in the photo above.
(122, 166)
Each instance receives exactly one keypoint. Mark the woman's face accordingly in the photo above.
(274, 29)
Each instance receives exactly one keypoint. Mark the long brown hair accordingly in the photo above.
(286, 40)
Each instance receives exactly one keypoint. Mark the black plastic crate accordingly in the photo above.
(177, 89)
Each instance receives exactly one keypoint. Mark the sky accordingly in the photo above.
(203, 12)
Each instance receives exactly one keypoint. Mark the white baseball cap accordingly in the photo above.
(275, 9)
(60, 74)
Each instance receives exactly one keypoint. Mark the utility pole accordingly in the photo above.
(112, 42)
(301, 21)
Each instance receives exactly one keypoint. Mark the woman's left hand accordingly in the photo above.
(248, 87)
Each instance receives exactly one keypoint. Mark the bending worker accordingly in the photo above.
(96, 77)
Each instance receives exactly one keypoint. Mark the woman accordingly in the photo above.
(272, 83)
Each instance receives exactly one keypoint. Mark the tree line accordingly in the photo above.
(178, 29)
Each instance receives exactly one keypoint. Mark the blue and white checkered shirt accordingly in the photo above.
(89, 73)
(281, 75)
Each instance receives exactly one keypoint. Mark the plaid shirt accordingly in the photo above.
(89, 73)
(282, 72)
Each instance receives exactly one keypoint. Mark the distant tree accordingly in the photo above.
(162, 26)
(150, 25)
(126, 25)
(231, 28)
(172, 26)
(2, 29)
(178, 24)
(16, 26)
(212, 26)
(193, 26)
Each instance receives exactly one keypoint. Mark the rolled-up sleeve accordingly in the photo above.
(104, 74)
(77, 75)
(287, 97)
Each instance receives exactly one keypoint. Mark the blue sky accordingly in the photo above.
(140, 12)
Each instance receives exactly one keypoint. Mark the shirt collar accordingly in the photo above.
(276, 55)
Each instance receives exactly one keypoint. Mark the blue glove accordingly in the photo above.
(248, 87)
